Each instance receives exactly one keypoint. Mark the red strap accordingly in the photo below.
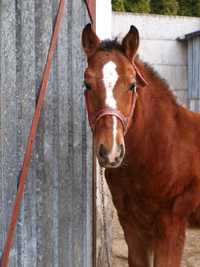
(110, 112)
(140, 76)
(107, 111)
(31, 139)
(91, 10)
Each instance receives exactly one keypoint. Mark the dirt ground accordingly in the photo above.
(191, 257)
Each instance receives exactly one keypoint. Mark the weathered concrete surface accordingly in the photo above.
(54, 228)
(104, 223)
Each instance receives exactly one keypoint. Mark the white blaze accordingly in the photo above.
(113, 154)
(110, 77)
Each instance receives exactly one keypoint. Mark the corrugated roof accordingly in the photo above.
(189, 36)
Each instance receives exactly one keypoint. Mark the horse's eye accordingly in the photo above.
(87, 86)
(132, 87)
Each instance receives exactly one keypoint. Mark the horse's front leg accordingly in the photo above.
(139, 251)
(169, 241)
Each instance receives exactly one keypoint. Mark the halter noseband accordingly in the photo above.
(125, 121)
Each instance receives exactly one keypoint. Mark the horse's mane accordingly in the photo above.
(109, 45)
(164, 88)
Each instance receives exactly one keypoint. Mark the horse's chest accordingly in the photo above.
(131, 202)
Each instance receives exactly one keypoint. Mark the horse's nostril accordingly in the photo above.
(120, 153)
(117, 159)
(121, 150)
(103, 153)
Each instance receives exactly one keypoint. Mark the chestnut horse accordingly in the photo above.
(149, 145)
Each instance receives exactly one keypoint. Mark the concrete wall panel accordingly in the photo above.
(155, 26)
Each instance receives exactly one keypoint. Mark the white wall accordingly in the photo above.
(103, 18)
(103, 30)
(159, 46)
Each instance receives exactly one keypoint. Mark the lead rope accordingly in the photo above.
(105, 229)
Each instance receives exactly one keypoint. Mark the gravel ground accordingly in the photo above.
(191, 257)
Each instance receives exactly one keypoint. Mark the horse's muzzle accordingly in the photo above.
(110, 159)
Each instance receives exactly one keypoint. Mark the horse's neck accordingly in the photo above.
(155, 109)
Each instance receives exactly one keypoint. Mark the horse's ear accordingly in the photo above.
(90, 41)
(130, 43)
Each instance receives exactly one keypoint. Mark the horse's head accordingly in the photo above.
(110, 81)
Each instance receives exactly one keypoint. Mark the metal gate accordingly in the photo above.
(192, 41)
(55, 225)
